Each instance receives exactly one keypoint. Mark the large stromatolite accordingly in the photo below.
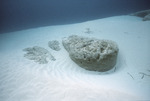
(145, 14)
(38, 54)
(90, 53)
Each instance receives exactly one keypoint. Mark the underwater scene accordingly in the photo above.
(75, 50)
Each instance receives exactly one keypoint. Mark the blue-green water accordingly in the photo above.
(24, 14)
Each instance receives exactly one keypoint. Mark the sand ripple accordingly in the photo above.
(60, 80)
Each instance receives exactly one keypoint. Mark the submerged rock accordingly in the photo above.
(91, 54)
(38, 54)
(146, 18)
(145, 14)
(54, 45)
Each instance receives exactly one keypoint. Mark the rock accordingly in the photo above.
(90, 53)
(145, 14)
(38, 54)
(54, 45)
(146, 18)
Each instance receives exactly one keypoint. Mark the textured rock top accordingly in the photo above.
(89, 47)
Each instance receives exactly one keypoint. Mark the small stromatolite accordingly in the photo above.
(38, 54)
(54, 45)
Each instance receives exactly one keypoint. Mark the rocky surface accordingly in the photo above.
(90, 53)
(38, 54)
(54, 45)
(145, 14)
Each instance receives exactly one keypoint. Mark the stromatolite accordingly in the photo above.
(145, 14)
(38, 54)
(54, 45)
(90, 53)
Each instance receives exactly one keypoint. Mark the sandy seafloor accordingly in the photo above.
(62, 80)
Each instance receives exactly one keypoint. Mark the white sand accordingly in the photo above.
(62, 80)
